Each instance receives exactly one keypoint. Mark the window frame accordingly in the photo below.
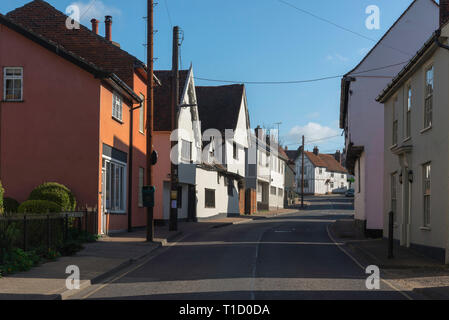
(428, 96)
(408, 111)
(142, 114)
(116, 96)
(186, 145)
(123, 201)
(13, 77)
(206, 205)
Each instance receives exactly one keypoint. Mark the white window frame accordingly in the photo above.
(117, 106)
(142, 114)
(408, 111)
(428, 96)
(13, 77)
(123, 201)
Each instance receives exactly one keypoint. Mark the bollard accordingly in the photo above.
(390, 234)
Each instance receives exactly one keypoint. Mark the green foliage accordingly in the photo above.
(2, 191)
(9, 237)
(55, 192)
(10, 205)
(39, 206)
(18, 260)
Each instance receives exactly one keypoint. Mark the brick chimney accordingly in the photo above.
(337, 156)
(108, 23)
(316, 151)
(95, 25)
(444, 12)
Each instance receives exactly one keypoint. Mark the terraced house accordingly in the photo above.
(72, 111)
(416, 156)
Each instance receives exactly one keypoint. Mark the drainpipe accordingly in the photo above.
(130, 169)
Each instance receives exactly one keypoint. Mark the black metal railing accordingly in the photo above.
(44, 231)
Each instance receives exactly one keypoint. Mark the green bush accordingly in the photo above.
(10, 205)
(39, 206)
(57, 193)
(2, 191)
(18, 260)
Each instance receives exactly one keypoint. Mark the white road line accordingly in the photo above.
(362, 267)
(135, 268)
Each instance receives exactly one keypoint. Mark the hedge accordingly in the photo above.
(57, 193)
(39, 206)
(10, 205)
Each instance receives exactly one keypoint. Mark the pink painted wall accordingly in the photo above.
(53, 134)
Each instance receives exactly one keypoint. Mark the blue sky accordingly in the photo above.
(256, 40)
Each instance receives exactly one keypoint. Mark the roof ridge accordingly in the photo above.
(55, 10)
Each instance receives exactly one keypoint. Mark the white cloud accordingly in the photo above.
(337, 57)
(312, 132)
(95, 9)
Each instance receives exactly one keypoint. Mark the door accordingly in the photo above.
(103, 202)
(192, 204)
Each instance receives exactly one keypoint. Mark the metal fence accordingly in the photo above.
(48, 231)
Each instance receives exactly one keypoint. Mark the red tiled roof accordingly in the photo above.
(43, 19)
(162, 93)
(325, 161)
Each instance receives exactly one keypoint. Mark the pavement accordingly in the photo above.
(102, 259)
(409, 270)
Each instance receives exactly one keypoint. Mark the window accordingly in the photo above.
(426, 193)
(321, 170)
(273, 191)
(408, 119)
(13, 84)
(332, 185)
(393, 195)
(186, 150)
(141, 182)
(115, 186)
(342, 176)
(394, 137)
(209, 198)
(235, 151)
(280, 192)
(142, 114)
(117, 107)
(332, 175)
(428, 103)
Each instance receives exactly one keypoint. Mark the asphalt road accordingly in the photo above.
(287, 257)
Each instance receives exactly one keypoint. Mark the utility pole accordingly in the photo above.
(150, 113)
(302, 173)
(173, 223)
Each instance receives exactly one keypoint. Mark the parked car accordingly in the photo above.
(350, 193)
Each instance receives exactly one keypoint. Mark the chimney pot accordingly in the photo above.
(108, 23)
(444, 12)
(316, 151)
(94, 25)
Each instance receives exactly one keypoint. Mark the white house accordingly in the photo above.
(210, 174)
(362, 118)
(323, 174)
(266, 171)
(416, 158)
(224, 118)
